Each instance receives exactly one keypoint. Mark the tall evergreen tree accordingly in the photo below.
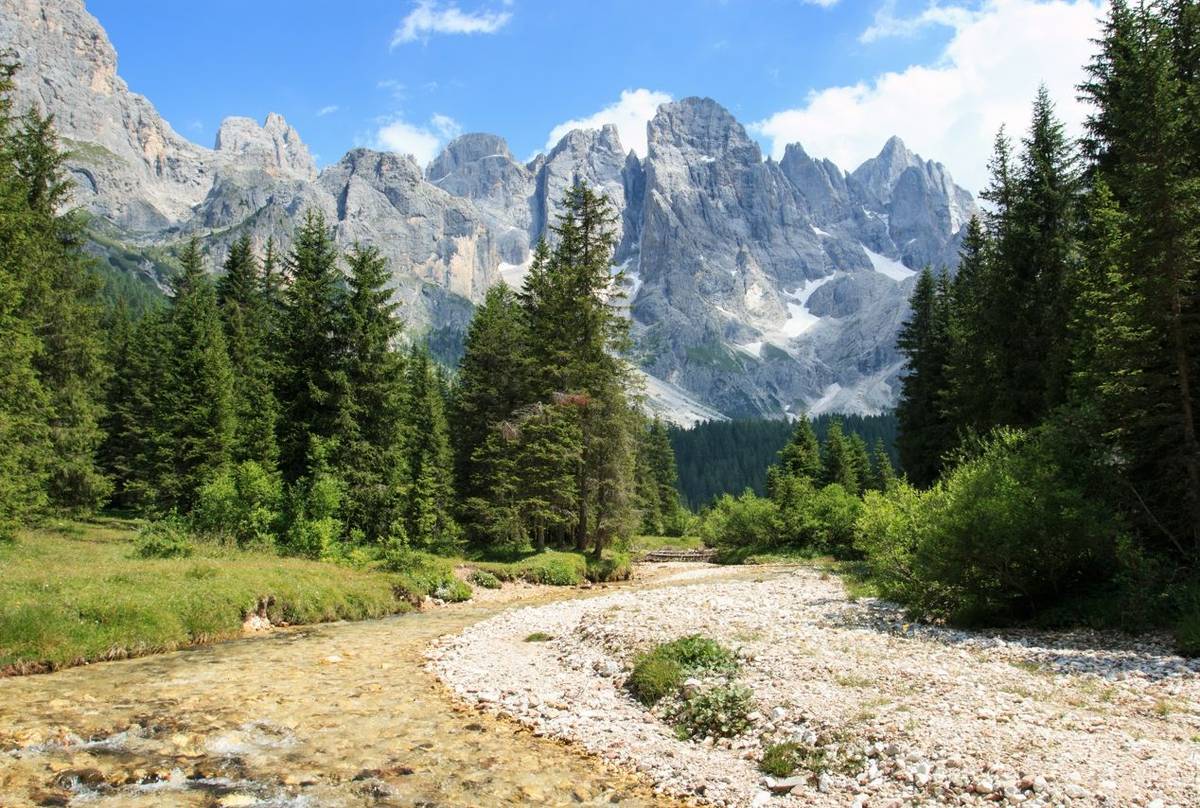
(248, 316)
(196, 411)
(371, 446)
(883, 473)
(313, 386)
(839, 463)
(61, 298)
(430, 508)
(492, 383)
(801, 457)
(924, 435)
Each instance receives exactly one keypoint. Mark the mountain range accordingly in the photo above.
(755, 287)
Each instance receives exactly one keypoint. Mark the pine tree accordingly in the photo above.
(924, 435)
(196, 409)
(801, 457)
(550, 444)
(971, 363)
(838, 461)
(860, 463)
(313, 387)
(1145, 145)
(61, 299)
(883, 473)
(430, 507)
(576, 332)
(661, 458)
(247, 318)
(492, 383)
(371, 446)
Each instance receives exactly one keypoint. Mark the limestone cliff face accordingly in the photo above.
(755, 286)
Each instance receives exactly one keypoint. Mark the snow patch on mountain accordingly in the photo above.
(888, 266)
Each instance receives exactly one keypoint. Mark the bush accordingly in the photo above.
(313, 527)
(1000, 537)
(485, 579)
(741, 522)
(616, 566)
(718, 712)
(240, 503)
(166, 538)
(539, 636)
(554, 569)
(818, 520)
(654, 677)
(453, 591)
(659, 672)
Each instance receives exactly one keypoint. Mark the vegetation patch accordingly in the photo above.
(784, 759)
(721, 711)
(539, 636)
(485, 579)
(661, 671)
(59, 605)
(166, 538)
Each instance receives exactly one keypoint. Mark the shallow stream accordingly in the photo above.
(333, 715)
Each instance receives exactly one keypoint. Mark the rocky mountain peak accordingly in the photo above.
(275, 146)
(467, 149)
(703, 126)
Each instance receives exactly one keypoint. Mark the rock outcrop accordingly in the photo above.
(755, 287)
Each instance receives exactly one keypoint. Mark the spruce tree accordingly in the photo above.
(372, 442)
(430, 506)
(924, 434)
(196, 410)
(839, 463)
(883, 473)
(492, 383)
(313, 385)
(801, 457)
(247, 318)
(550, 444)
(860, 463)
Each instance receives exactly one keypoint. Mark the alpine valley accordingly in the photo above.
(755, 287)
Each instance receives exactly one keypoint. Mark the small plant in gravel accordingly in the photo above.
(781, 759)
(660, 672)
(654, 677)
(539, 636)
(485, 579)
(722, 711)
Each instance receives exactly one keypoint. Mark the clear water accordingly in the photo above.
(334, 715)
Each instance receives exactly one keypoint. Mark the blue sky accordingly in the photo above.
(840, 76)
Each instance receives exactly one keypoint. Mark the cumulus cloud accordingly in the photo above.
(430, 17)
(422, 142)
(949, 110)
(630, 115)
(327, 110)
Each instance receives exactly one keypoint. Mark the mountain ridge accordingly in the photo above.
(756, 287)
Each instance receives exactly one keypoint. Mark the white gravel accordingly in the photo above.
(906, 715)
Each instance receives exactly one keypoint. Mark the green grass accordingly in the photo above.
(644, 544)
(558, 568)
(539, 636)
(75, 592)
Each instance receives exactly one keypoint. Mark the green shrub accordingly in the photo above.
(1187, 635)
(240, 503)
(781, 759)
(654, 677)
(539, 636)
(165, 538)
(659, 672)
(453, 590)
(1002, 536)
(485, 579)
(554, 569)
(616, 566)
(747, 521)
(313, 527)
(718, 712)
(820, 520)
(423, 574)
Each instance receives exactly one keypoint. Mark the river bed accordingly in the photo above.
(333, 715)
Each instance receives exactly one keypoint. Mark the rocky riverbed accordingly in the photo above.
(896, 714)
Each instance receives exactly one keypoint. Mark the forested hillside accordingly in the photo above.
(728, 457)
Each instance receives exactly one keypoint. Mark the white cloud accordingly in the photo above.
(949, 110)
(422, 142)
(446, 126)
(630, 115)
(328, 110)
(430, 17)
(822, 3)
